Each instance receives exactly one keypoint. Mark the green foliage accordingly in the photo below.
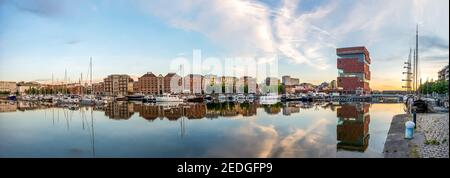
(431, 142)
(440, 87)
(280, 88)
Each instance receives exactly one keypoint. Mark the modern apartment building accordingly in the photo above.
(98, 88)
(353, 70)
(118, 85)
(443, 73)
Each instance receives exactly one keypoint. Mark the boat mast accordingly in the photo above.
(417, 57)
(408, 73)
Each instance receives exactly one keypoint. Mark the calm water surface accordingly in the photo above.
(195, 130)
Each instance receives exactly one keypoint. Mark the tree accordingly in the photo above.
(440, 87)
(280, 88)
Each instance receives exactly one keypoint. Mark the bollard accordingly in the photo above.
(409, 130)
(414, 109)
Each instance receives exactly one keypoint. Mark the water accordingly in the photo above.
(196, 130)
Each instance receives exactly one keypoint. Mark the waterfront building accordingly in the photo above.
(212, 84)
(118, 85)
(353, 70)
(98, 88)
(76, 89)
(8, 87)
(149, 84)
(23, 87)
(229, 83)
(246, 83)
(172, 83)
(270, 85)
(290, 85)
(193, 84)
(251, 83)
(287, 80)
(443, 73)
(136, 87)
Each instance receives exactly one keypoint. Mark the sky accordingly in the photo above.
(39, 38)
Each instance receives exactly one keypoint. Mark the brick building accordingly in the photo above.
(353, 70)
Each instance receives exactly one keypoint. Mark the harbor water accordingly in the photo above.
(127, 129)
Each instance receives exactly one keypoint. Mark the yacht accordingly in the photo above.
(68, 100)
(193, 98)
(231, 98)
(121, 98)
(270, 98)
(250, 97)
(148, 99)
(136, 97)
(240, 98)
(168, 98)
(87, 100)
(47, 98)
(12, 97)
(222, 98)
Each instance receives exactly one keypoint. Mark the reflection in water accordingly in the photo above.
(310, 132)
(353, 127)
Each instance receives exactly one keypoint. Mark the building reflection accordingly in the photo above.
(193, 110)
(273, 109)
(353, 127)
(291, 108)
(119, 110)
(6, 106)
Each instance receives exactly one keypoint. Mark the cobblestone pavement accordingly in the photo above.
(436, 130)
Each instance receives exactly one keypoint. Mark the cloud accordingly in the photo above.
(248, 28)
(433, 43)
(302, 34)
(72, 42)
(44, 8)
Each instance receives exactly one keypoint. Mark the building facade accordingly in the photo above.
(8, 87)
(229, 84)
(98, 88)
(443, 73)
(23, 87)
(193, 84)
(212, 84)
(149, 84)
(353, 70)
(118, 85)
(287, 80)
(172, 83)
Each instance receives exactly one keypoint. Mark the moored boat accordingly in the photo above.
(168, 98)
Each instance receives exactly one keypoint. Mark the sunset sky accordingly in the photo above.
(41, 37)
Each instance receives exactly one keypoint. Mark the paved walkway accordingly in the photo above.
(430, 140)
(435, 127)
(396, 146)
